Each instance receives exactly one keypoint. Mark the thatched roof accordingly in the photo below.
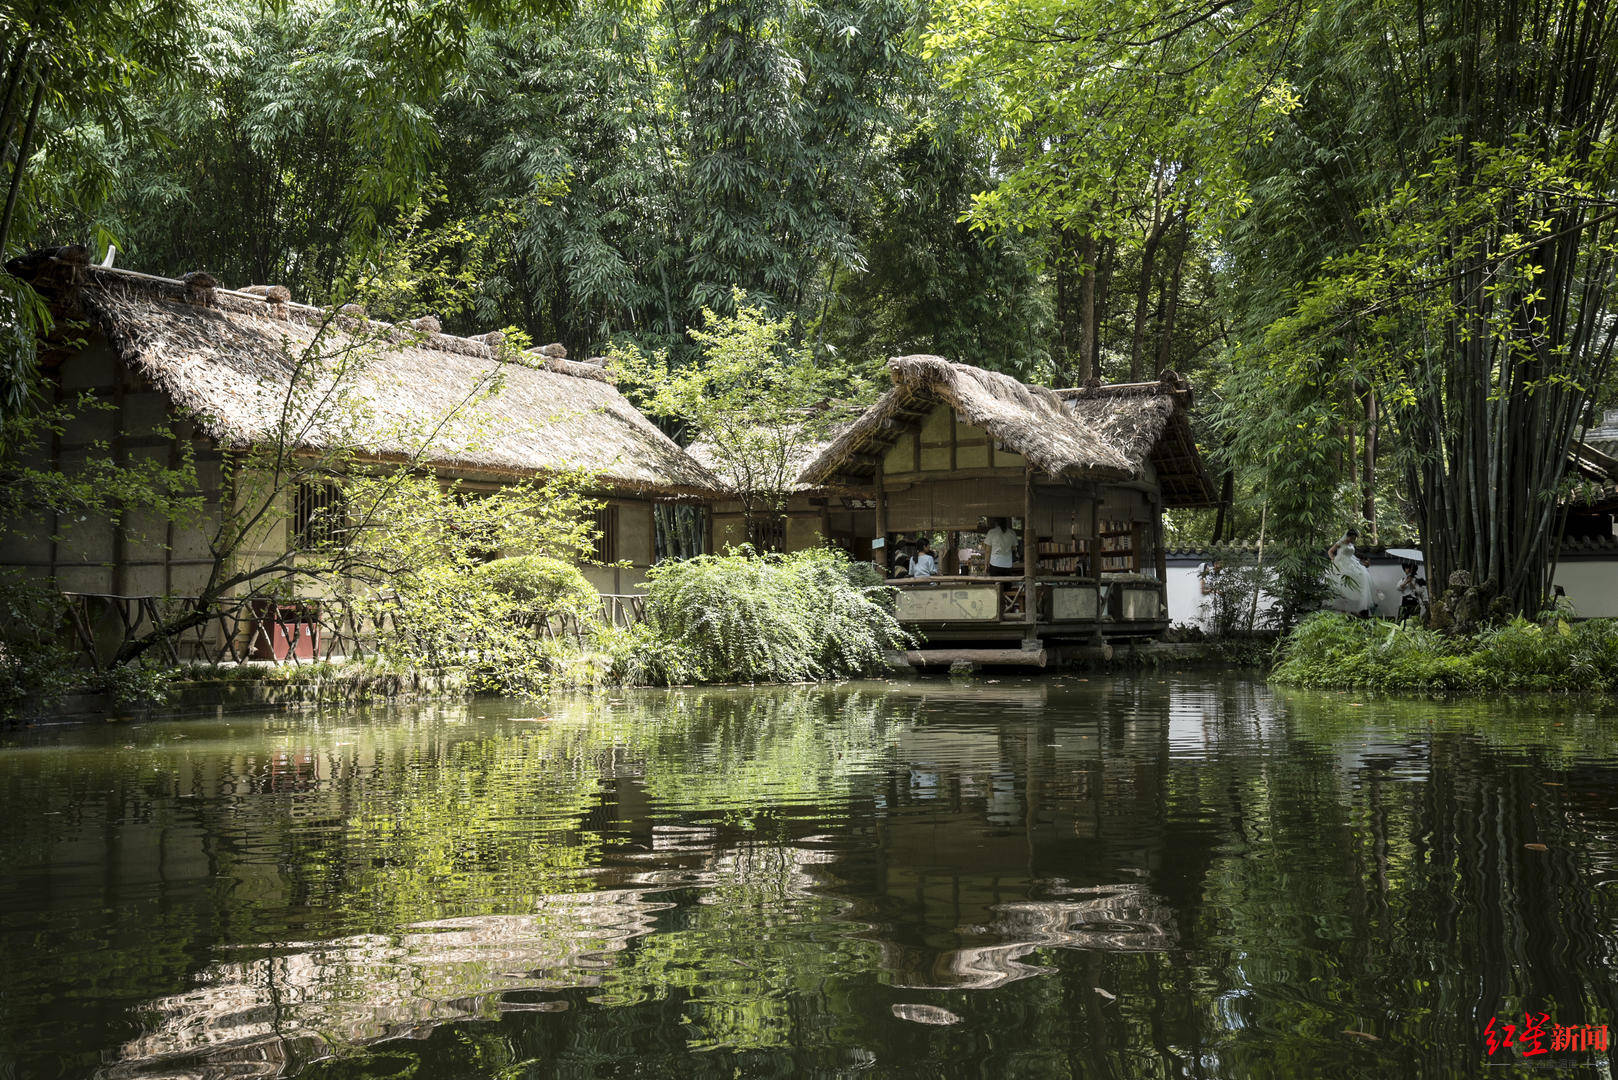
(228, 358)
(1097, 433)
(1149, 422)
(799, 457)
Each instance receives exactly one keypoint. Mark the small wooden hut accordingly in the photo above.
(187, 362)
(1084, 475)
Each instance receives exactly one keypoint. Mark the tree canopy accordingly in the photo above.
(1378, 238)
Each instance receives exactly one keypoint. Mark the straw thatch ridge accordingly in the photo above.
(1029, 420)
(227, 358)
(1149, 422)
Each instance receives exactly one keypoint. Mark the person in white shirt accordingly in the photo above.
(924, 564)
(1002, 545)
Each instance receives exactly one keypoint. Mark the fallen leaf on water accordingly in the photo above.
(926, 1014)
(1105, 993)
(1536, 847)
(1366, 1035)
(1551, 783)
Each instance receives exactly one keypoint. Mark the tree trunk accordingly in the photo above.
(1368, 470)
(1171, 302)
(21, 164)
(13, 78)
(1066, 316)
(1087, 310)
(1227, 493)
(1143, 299)
(1103, 285)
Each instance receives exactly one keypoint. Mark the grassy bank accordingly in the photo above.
(1331, 651)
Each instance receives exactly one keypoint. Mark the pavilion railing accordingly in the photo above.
(1012, 594)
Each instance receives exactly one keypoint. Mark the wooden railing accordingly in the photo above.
(1011, 603)
(230, 630)
(623, 609)
(235, 631)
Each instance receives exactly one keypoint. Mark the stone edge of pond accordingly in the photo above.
(327, 686)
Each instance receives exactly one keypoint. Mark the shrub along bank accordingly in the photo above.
(733, 618)
(1332, 651)
(762, 618)
(730, 618)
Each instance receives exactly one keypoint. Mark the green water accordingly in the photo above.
(1055, 878)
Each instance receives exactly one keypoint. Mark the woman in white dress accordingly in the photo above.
(1349, 578)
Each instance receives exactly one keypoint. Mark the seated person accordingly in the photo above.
(965, 557)
(924, 564)
(901, 564)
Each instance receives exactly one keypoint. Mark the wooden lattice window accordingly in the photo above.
(767, 533)
(606, 527)
(679, 531)
(319, 515)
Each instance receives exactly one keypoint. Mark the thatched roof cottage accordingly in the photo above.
(1083, 474)
(215, 365)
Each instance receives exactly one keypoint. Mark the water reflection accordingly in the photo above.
(1119, 918)
(264, 1016)
(1061, 877)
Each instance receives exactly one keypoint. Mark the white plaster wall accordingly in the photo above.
(1592, 586)
(1184, 589)
(1185, 597)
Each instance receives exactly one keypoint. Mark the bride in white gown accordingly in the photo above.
(1350, 579)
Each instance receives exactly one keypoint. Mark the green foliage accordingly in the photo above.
(39, 664)
(932, 283)
(756, 399)
(135, 686)
(741, 617)
(487, 621)
(1234, 604)
(541, 582)
(1330, 650)
(36, 660)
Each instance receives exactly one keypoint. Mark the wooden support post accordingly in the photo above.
(1030, 551)
(1095, 551)
(880, 555)
(120, 457)
(1160, 554)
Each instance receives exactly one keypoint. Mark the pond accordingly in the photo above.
(1063, 877)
